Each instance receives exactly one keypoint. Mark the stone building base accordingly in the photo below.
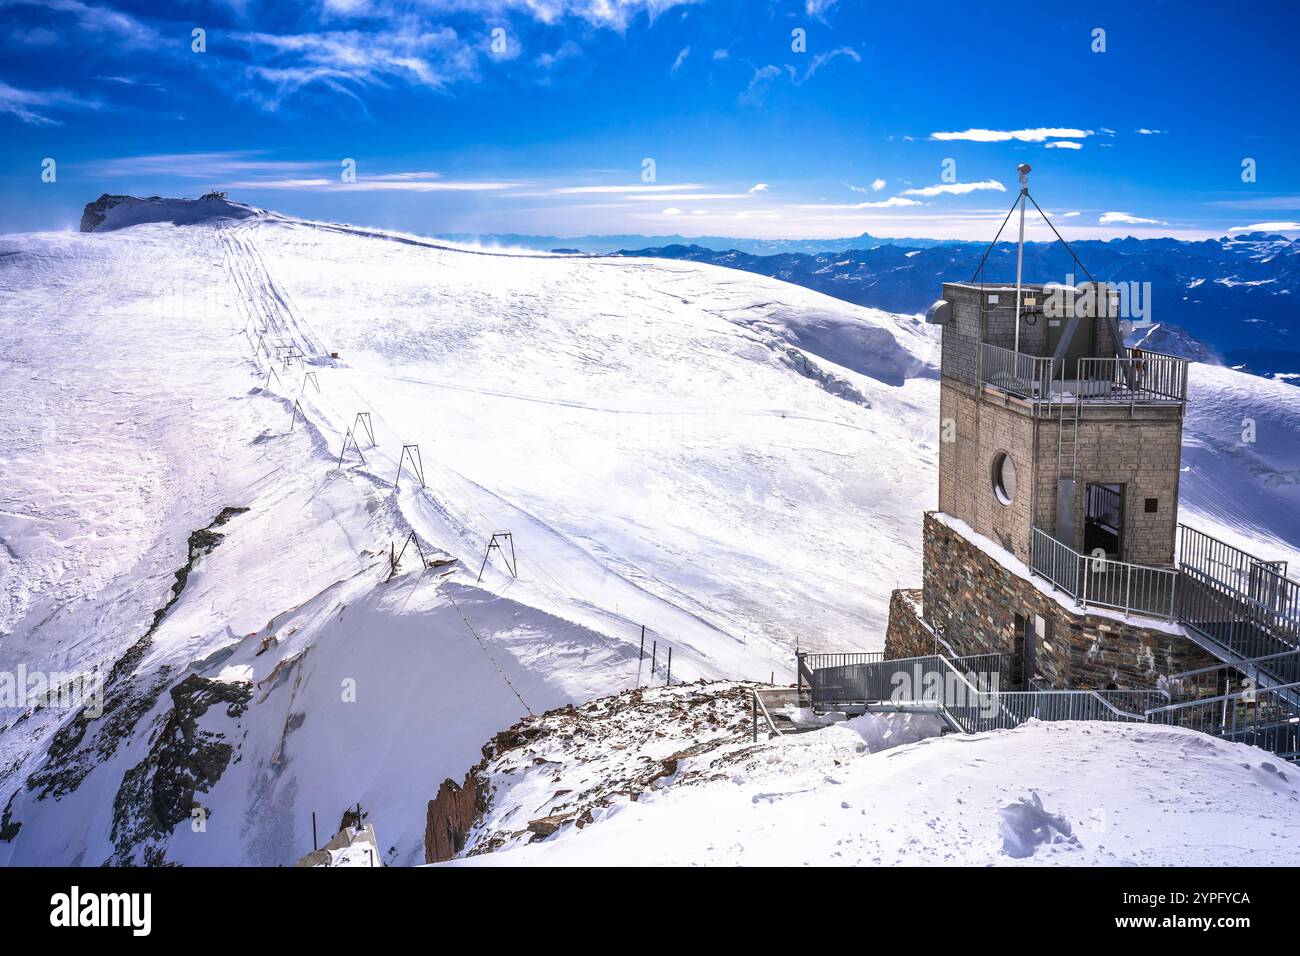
(971, 600)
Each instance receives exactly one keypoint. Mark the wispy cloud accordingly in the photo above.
(681, 58)
(632, 189)
(376, 184)
(759, 188)
(1037, 135)
(1268, 227)
(254, 170)
(1127, 219)
(204, 166)
(344, 61)
(822, 59)
(1063, 144)
(893, 202)
(956, 189)
(104, 23)
(34, 106)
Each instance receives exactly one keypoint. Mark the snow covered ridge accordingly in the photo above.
(110, 212)
(673, 446)
(734, 463)
(671, 778)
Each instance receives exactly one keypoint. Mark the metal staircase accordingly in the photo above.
(963, 692)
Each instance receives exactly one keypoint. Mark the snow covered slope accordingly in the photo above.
(1067, 793)
(661, 440)
(735, 464)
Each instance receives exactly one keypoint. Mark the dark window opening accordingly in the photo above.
(1152, 506)
(1103, 519)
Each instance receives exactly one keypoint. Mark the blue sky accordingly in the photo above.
(537, 116)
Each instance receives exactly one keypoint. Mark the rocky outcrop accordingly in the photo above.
(88, 740)
(451, 813)
(159, 792)
(96, 212)
(584, 760)
(112, 211)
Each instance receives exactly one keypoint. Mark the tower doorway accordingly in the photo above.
(1103, 519)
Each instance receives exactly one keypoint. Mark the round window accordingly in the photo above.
(1004, 478)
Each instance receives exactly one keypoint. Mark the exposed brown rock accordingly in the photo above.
(451, 814)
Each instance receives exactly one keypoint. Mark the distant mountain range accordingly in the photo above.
(1234, 298)
(757, 247)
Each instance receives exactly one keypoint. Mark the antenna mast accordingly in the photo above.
(1023, 169)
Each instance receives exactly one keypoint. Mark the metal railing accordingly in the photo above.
(1234, 567)
(1102, 582)
(1268, 671)
(967, 691)
(1141, 378)
(1029, 376)
(1267, 718)
(1232, 619)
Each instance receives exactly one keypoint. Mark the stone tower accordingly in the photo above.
(1056, 534)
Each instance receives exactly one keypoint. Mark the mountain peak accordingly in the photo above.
(110, 211)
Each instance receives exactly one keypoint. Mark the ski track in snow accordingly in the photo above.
(667, 443)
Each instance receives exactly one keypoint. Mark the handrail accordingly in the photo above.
(1248, 695)
(1145, 378)
(1274, 721)
(1247, 662)
(760, 707)
(1104, 582)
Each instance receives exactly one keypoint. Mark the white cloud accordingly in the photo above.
(205, 166)
(1023, 135)
(956, 189)
(681, 58)
(758, 85)
(671, 211)
(892, 202)
(375, 184)
(1268, 227)
(721, 54)
(1069, 215)
(32, 106)
(683, 197)
(1149, 132)
(1063, 144)
(877, 185)
(759, 188)
(1128, 219)
(103, 23)
(822, 59)
(641, 188)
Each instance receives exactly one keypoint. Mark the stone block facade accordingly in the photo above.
(1135, 447)
(971, 599)
(908, 635)
(1138, 449)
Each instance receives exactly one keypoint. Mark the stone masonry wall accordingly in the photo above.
(972, 600)
(907, 635)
